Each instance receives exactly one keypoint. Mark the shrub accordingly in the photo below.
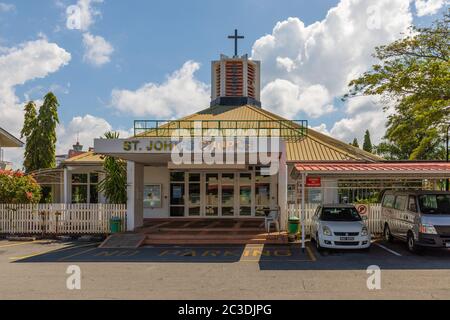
(18, 188)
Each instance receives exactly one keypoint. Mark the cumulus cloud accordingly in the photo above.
(306, 67)
(98, 51)
(181, 94)
(86, 129)
(288, 99)
(88, 13)
(429, 7)
(18, 65)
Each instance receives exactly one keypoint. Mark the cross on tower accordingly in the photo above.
(236, 37)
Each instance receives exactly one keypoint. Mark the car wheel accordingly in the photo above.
(411, 242)
(318, 246)
(387, 234)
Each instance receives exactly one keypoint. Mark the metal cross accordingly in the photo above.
(236, 37)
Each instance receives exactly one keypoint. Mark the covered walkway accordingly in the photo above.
(402, 175)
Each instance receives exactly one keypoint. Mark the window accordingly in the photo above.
(412, 204)
(400, 202)
(388, 201)
(435, 204)
(85, 188)
(152, 196)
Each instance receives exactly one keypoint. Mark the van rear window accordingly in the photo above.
(388, 201)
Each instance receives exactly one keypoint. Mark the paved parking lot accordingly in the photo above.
(38, 271)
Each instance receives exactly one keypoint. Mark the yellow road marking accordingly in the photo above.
(14, 259)
(311, 254)
(21, 243)
(77, 254)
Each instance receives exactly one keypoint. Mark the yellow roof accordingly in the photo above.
(314, 147)
(85, 158)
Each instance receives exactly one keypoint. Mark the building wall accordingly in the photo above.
(158, 175)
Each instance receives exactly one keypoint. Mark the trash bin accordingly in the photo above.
(294, 226)
(115, 225)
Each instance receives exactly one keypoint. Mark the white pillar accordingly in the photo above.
(282, 187)
(66, 186)
(303, 218)
(135, 190)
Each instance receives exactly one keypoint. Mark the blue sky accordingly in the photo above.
(133, 46)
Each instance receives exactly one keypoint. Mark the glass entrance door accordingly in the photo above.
(227, 187)
(194, 194)
(212, 195)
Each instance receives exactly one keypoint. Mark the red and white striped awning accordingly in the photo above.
(437, 170)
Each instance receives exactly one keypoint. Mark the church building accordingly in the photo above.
(160, 187)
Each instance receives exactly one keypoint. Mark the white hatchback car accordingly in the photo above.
(338, 226)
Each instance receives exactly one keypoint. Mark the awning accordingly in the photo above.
(436, 170)
(7, 140)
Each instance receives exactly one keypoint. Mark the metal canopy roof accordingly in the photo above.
(7, 140)
(437, 170)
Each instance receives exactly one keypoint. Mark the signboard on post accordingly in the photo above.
(313, 182)
(363, 209)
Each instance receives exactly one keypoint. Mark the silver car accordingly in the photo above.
(339, 226)
(421, 218)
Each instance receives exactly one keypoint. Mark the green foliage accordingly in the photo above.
(367, 146)
(413, 79)
(355, 143)
(40, 134)
(114, 185)
(18, 188)
(30, 134)
(46, 130)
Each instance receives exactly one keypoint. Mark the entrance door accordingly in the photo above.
(212, 195)
(177, 188)
(194, 194)
(227, 194)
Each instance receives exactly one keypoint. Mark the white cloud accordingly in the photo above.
(86, 128)
(7, 7)
(286, 98)
(181, 94)
(88, 13)
(18, 65)
(429, 7)
(98, 51)
(316, 62)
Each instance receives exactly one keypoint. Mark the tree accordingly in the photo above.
(412, 78)
(355, 143)
(30, 162)
(367, 146)
(46, 132)
(114, 185)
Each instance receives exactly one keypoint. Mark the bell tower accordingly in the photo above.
(235, 81)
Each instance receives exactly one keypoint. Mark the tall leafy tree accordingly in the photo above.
(367, 146)
(355, 143)
(114, 185)
(47, 121)
(412, 77)
(31, 139)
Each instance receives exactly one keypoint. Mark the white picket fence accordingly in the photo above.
(373, 216)
(61, 219)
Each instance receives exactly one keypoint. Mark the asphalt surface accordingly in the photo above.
(38, 271)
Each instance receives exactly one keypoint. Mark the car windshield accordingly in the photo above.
(340, 214)
(435, 203)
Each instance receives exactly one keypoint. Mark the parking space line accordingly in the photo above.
(77, 254)
(388, 250)
(20, 243)
(15, 259)
(311, 254)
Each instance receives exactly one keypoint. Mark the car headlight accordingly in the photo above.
(427, 229)
(327, 231)
(364, 231)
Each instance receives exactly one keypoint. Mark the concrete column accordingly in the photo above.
(66, 196)
(135, 190)
(282, 187)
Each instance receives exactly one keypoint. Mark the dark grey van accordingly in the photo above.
(421, 218)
